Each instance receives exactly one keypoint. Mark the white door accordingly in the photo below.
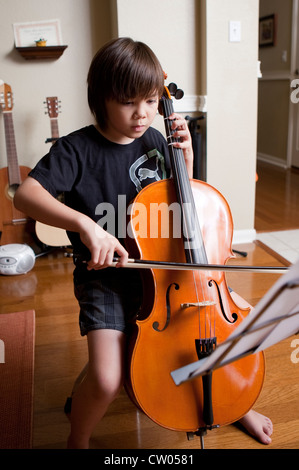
(295, 123)
(294, 104)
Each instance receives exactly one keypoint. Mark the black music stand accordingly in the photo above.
(275, 317)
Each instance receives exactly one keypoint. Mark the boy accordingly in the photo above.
(95, 165)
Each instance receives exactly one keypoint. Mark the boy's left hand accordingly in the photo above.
(181, 130)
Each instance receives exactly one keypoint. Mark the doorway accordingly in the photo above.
(293, 150)
(278, 109)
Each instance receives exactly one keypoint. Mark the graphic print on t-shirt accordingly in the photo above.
(150, 166)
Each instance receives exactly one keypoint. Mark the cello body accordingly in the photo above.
(180, 307)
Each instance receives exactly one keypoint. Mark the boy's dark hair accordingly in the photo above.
(121, 70)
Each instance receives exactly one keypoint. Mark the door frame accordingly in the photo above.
(293, 125)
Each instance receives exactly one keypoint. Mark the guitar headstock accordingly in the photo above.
(52, 106)
(6, 102)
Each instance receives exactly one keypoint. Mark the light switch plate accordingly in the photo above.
(234, 31)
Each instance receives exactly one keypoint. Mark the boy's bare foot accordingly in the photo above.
(258, 425)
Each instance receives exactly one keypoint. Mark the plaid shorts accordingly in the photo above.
(108, 299)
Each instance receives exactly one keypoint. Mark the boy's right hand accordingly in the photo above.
(102, 246)
(35, 201)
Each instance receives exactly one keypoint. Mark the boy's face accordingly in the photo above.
(128, 121)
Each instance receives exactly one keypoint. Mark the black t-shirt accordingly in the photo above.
(99, 177)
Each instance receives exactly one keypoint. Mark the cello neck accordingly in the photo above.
(193, 242)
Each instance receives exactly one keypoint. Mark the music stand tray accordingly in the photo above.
(274, 318)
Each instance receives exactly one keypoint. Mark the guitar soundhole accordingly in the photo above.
(11, 190)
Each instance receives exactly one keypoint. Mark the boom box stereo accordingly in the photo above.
(16, 258)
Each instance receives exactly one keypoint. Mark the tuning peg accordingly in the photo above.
(175, 91)
(172, 88)
(179, 94)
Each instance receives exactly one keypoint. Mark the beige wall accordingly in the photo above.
(85, 25)
(175, 33)
(274, 98)
(231, 82)
(232, 107)
(172, 32)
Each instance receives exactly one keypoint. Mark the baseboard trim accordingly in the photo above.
(271, 159)
(191, 104)
(244, 236)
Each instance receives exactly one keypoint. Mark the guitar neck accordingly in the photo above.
(14, 176)
(53, 110)
(54, 129)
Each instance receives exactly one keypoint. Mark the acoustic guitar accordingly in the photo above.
(15, 227)
(47, 234)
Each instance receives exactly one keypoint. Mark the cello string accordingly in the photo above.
(201, 311)
(179, 168)
(210, 312)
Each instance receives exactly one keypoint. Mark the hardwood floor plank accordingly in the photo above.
(61, 352)
(277, 198)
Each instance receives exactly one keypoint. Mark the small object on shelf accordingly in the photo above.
(46, 52)
(41, 42)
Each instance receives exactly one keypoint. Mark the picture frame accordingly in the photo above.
(27, 34)
(267, 31)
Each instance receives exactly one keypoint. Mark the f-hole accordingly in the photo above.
(168, 311)
(234, 315)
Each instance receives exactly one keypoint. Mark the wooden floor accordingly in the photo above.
(277, 198)
(61, 352)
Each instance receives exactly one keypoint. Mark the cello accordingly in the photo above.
(186, 313)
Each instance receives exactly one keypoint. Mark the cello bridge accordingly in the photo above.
(206, 303)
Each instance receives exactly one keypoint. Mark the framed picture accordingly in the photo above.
(267, 31)
(26, 34)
